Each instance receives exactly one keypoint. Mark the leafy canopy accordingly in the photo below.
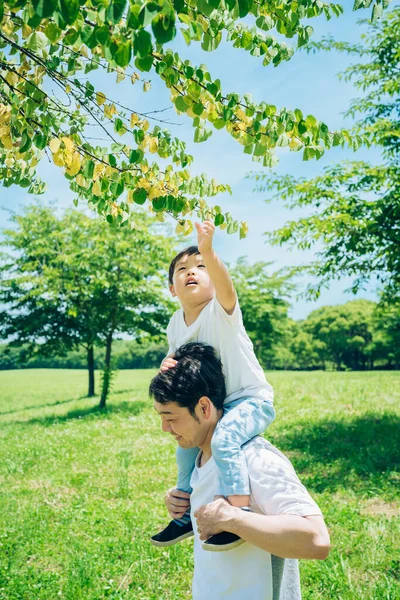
(62, 40)
(356, 205)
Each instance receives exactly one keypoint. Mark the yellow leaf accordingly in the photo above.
(134, 119)
(12, 78)
(99, 169)
(54, 145)
(120, 74)
(7, 142)
(26, 31)
(153, 145)
(146, 86)
(58, 159)
(100, 98)
(75, 165)
(68, 143)
(81, 181)
(96, 189)
(135, 77)
(67, 89)
(4, 131)
(180, 228)
(188, 228)
(145, 125)
(244, 228)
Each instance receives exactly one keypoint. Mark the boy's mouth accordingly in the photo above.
(191, 282)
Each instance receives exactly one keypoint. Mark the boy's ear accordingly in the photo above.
(172, 290)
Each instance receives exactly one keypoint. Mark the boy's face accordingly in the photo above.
(191, 282)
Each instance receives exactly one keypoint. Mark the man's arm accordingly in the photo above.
(219, 275)
(287, 536)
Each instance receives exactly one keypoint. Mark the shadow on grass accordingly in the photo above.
(16, 410)
(358, 453)
(128, 409)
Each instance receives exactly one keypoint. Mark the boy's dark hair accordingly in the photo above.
(197, 373)
(187, 251)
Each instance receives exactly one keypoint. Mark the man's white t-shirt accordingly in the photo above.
(226, 333)
(247, 572)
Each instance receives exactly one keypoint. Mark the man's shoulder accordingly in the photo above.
(258, 450)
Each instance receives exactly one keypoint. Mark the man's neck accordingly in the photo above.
(205, 447)
(191, 313)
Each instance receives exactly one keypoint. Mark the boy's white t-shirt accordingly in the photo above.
(226, 333)
(247, 572)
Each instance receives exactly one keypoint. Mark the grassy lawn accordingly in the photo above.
(81, 491)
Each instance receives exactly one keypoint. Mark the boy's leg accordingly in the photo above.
(242, 420)
(179, 529)
(185, 460)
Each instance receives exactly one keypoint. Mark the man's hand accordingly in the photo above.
(214, 517)
(177, 502)
(205, 232)
(168, 363)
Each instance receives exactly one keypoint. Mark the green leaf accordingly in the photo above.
(181, 104)
(144, 64)
(209, 43)
(136, 156)
(40, 141)
(69, 10)
(377, 11)
(122, 55)
(219, 219)
(244, 7)
(26, 142)
(163, 27)
(52, 32)
(142, 44)
(198, 108)
(159, 203)
(115, 10)
(44, 8)
(37, 41)
(139, 196)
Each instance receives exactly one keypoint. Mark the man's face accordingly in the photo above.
(178, 421)
(191, 282)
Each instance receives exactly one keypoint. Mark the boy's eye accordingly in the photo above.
(201, 266)
(181, 268)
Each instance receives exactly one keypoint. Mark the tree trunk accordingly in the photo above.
(90, 360)
(106, 372)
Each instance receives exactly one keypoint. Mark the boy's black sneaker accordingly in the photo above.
(172, 534)
(220, 542)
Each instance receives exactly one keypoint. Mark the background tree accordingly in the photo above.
(264, 302)
(344, 331)
(356, 214)
(63, 40)
(74, 281)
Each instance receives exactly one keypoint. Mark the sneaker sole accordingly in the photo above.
(224, 548)
(172, 542)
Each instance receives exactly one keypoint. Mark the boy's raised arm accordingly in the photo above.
(219, 275)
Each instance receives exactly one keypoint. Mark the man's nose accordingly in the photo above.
(165, 426)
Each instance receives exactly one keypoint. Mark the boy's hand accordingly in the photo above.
(168, 363)
(177, 502)
(205, 232)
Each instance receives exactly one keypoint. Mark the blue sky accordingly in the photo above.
(308, 82)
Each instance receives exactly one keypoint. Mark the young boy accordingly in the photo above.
(210, 313)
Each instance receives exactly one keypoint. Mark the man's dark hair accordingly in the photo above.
(197, 373)
(187, 251)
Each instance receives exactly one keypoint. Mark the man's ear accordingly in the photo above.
(172, 290)
(205, 407)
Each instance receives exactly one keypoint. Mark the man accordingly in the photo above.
(284, 523)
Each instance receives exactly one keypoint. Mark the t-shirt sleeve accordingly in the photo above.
(275, 487)
(221, 316)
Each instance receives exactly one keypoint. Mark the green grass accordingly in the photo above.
(82, 490)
